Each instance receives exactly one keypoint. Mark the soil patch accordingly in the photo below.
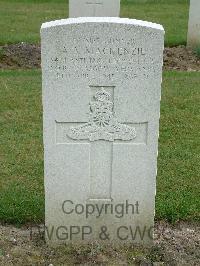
(181, 58)
(20, 56)
(174, 245)
(26, 56)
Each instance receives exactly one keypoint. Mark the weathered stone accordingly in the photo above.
(94, 8)
(101, 100)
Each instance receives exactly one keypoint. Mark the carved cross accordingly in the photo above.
(101, 131)
(95, 4)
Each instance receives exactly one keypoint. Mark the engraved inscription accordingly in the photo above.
(102, 124)
(84, 55)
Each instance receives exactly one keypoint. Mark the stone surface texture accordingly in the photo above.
(101, 102)
(193, 38)
(94, 8)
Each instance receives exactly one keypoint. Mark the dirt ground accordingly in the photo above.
(21, 56)
(174, 245)
(25, 56)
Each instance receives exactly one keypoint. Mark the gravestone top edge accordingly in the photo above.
(80, 20)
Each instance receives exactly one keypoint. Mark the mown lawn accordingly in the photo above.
(178, 179)
(20, 20)
(21, 150)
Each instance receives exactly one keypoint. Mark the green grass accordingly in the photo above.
(179, 151)
(21, 171)
(173, 15)
(20, 20)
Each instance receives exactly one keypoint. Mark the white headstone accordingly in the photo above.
(94, 8)
(193, 39)
(101, 101)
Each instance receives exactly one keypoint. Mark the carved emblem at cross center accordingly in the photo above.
(102, 124)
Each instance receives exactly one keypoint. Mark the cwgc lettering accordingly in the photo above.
(101, 100)
(117, 55)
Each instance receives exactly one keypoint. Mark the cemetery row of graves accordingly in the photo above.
(22, 196)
